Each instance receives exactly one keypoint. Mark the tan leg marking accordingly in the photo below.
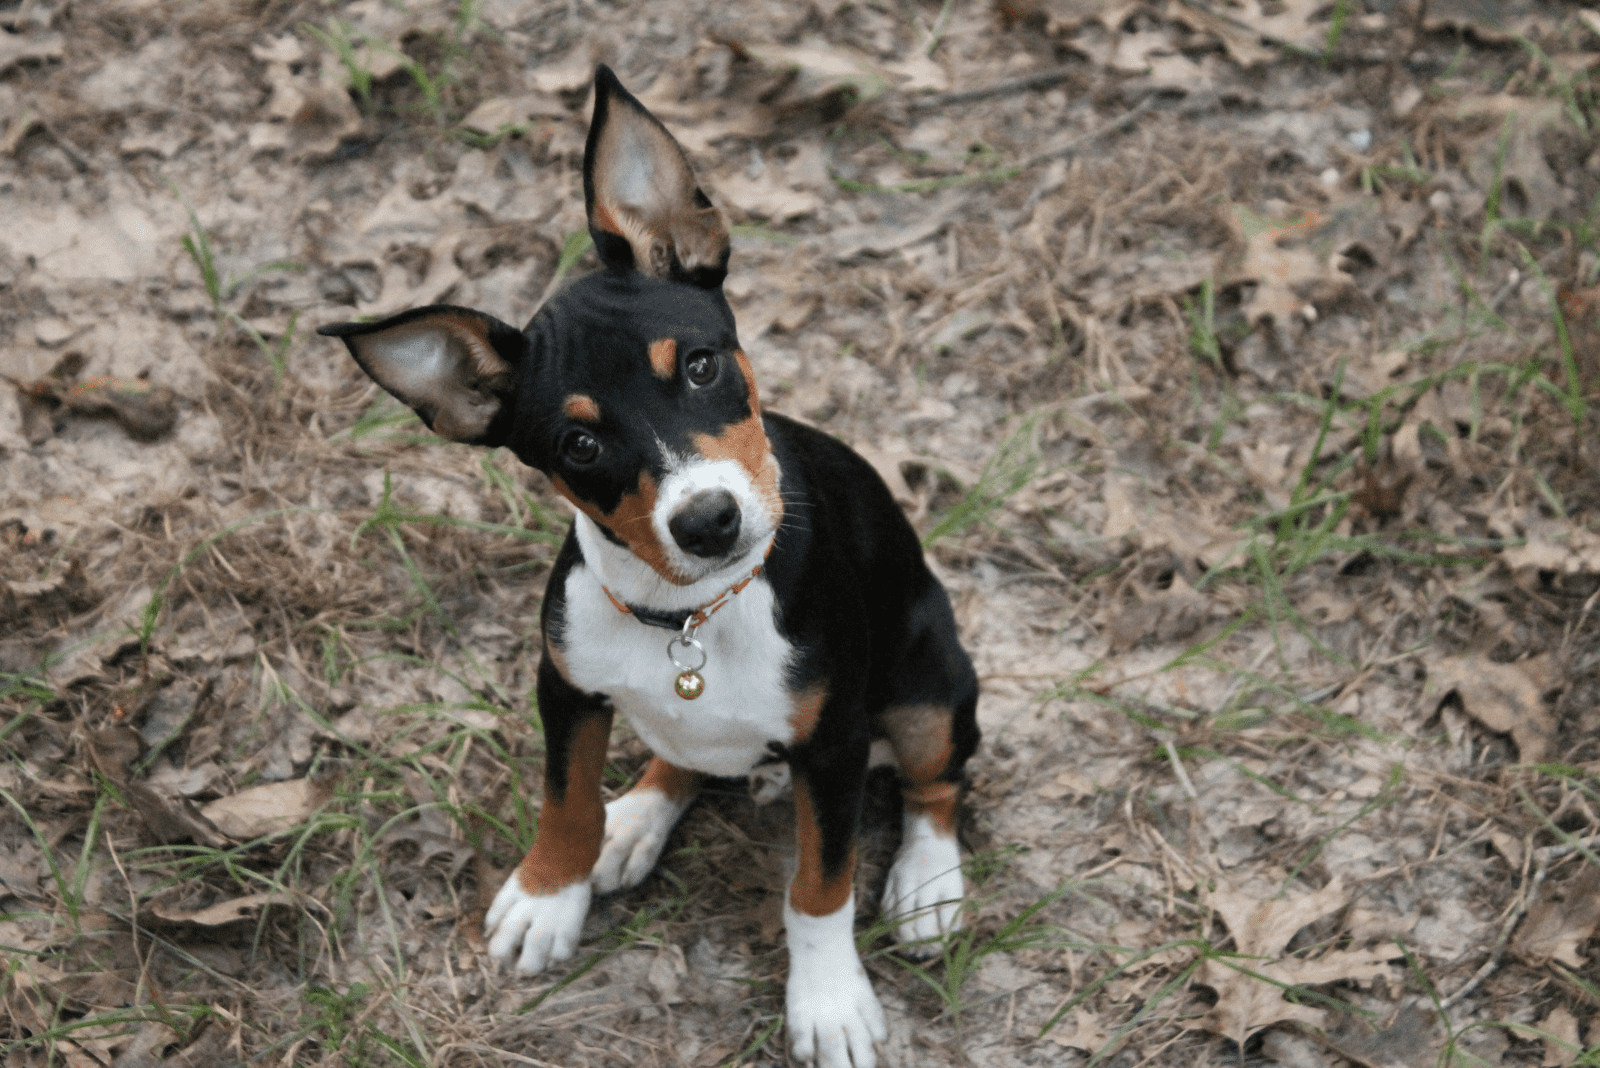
(814, 892)
(805, 709)
(678, 784)
(920, 735)
(572, 827)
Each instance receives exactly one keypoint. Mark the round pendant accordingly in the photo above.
(690, 684)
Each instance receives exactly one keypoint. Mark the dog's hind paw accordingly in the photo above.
(637, 826)
(924, 891)
(546, 926)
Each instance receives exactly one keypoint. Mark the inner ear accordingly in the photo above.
(456, 367)
(645, 209)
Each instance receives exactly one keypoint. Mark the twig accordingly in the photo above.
(1177, 766)
(1071, 147)
(1039, 79)
(1530, 891)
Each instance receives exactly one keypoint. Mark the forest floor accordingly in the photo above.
(1238, 361)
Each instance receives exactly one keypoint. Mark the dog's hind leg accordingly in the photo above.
(932, 739)
(638, 823)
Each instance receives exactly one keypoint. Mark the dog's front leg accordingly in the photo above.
(542, 905)
(834, 1018)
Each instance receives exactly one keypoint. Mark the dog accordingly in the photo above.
(741, 587)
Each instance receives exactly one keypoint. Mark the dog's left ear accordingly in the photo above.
(645, 209)
(455, 366)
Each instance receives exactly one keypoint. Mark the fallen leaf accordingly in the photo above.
(666, 974)
(1405, 1043)
(1172, 615)
(1560, 1029)
(1248, 23)
(1560, 921)
(1502, 697)
(1289, 276)
(1080, 1030)
(881, 238)
(18, 48)
(172, 819)
(497, 113)
(1510, 150)
(820, 73)
(1261, 928)
(218, 915)
(267, 809)
(765, 197)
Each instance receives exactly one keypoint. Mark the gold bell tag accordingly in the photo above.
(689, 683)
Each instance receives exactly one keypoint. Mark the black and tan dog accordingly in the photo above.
(741, 587)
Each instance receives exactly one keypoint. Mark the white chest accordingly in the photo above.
(746, 704)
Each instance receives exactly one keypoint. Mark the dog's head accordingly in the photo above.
(628, 388)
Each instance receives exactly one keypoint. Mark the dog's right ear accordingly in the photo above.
(455, 366)
(645, 209)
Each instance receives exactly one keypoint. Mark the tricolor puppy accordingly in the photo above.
(741, 587)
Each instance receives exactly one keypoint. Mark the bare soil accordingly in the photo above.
(1239, 361)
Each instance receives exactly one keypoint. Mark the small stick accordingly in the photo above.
(1039, 79)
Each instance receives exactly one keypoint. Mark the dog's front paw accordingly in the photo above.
(637, 826)
(546, 926)
(924, 891)
(833, 1016)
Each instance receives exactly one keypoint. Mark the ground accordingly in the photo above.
(1238, 362)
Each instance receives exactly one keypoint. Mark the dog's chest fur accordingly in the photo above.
(746, 705)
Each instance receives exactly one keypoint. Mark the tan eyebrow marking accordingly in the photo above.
(664, 357)
(581, 406)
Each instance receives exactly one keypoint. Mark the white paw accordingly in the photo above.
(924, 891)
(546, 926)
(637, 826)
(833, 1016)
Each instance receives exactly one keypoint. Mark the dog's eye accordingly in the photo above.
(580, 448)
(701, 367)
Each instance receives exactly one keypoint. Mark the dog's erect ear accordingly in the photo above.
(455, 366)
(645, 209)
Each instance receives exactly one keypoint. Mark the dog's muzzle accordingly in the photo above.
(707, 524)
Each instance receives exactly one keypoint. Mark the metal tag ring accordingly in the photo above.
(693, 643)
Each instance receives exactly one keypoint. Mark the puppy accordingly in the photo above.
(741, 587)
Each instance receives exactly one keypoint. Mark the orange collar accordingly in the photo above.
(688, 619)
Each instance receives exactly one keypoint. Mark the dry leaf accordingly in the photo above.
(765, 197)
(1407, 1042)
(266, 809)
(497, 113)
(20, 48)
(1172, 615)
(1555, 928)
(1261, 929)
(1561, 1038)
(1247, 23)
(1080, 1030)
(218, 915)
(1518, 162)
(171, 819)
(1122, 514)
(1502, 697)
(1289, 277)
(819, 71)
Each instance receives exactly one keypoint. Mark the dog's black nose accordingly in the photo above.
(706, 524)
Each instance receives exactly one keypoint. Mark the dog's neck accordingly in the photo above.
(636, 583)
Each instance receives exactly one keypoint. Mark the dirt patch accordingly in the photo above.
(1237, 361)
